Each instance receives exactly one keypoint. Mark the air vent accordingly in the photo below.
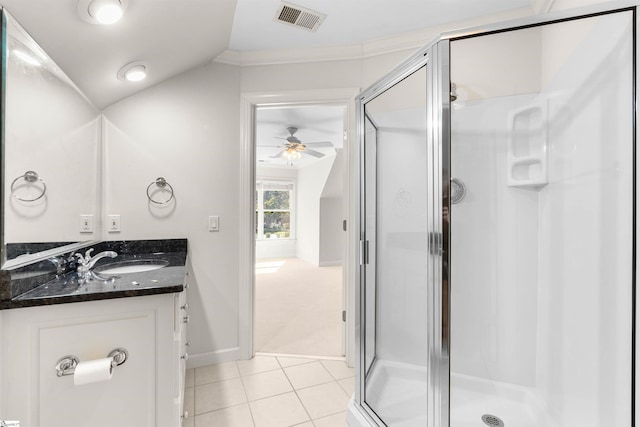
(300, 17)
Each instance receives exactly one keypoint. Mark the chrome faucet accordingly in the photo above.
(86, 262)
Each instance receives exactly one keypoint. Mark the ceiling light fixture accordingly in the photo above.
(103, 12)
(133, 71)
(291, 154)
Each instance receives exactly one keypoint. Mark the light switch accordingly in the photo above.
(214, 223)
(114, 224)
(86, 223)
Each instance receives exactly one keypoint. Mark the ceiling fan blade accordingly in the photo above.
(313, 153)
(319, 144)
(278, 154)
(274, 145)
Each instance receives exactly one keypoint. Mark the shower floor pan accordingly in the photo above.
(516, 406)
(397, 393)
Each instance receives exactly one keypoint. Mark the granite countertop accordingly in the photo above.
(95, 285)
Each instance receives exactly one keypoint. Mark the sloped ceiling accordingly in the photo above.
(171, 36)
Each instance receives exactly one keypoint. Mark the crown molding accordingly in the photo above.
(410, 41)
(290, 56)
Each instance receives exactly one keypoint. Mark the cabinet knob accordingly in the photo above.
(186, 285)
(187, 344)
(185, 319)
(185, 306)
(185, 415)
(185, 356)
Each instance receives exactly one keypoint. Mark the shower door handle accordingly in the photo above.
(435, 243)
(364, 252)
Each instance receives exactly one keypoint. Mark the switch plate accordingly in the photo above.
(214, 223)
(113, 225)
(86, 223)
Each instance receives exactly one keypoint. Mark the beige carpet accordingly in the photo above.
(298, 308)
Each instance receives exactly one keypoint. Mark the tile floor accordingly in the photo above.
(269, 391)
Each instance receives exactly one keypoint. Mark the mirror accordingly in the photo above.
(51, 143)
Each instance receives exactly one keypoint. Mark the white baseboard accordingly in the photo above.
(220, 356)
(330, 263)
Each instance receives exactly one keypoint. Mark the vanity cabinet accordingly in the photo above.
(145, 391)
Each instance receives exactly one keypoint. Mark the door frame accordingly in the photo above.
(249, 102)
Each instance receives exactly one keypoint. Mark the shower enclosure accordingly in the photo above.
(498, 224)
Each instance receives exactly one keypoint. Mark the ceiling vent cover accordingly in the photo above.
(300, 17)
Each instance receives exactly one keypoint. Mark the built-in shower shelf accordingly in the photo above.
(527, 147)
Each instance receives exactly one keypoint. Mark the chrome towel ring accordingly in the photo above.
(30, 177)
(162, 184)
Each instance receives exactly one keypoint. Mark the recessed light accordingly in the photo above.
(133, 71)
(103, 12)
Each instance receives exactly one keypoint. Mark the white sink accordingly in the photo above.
(132, 266)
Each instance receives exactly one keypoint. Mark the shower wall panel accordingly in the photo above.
(542, 243)
(494, 246)
(585, 241)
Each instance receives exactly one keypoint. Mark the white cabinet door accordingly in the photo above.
(141, 392)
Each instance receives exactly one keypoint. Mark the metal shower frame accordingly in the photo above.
(435, 57)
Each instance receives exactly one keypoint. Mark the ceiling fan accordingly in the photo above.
(293, 148)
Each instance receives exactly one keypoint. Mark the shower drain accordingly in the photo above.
(492, 420)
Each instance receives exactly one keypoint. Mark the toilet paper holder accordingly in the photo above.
(67, 364)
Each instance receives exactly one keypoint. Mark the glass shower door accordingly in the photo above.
(542, 161)
(396, 316)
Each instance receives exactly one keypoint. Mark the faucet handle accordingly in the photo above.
(82, 260)
(87, 255)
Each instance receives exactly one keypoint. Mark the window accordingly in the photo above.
(274, 209)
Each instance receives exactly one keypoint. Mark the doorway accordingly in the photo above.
(300, 206)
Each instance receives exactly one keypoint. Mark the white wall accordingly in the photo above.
(332, 235)
(185, 130)
(311, 182)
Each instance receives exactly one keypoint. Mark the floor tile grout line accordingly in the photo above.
(316, 385)
(222, 409)
(282, 369)
(300, 356)
(298, 396)
(195, 380)
(327, 416)
(244, 389)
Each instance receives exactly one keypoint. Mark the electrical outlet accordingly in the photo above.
(114, 224)
(214, 223)
(86, 223)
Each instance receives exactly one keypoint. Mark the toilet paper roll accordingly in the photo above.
(93, 371)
